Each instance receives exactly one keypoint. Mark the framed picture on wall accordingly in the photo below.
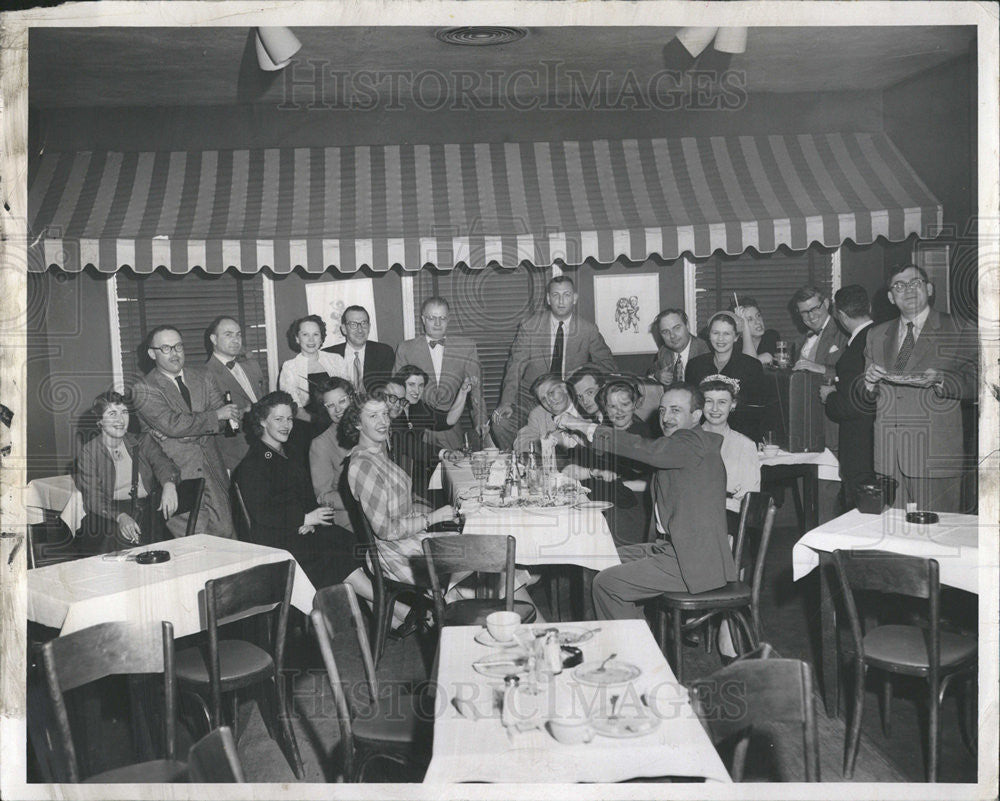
(624, 308)
(328, 299)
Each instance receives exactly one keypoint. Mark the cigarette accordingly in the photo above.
(736, 299)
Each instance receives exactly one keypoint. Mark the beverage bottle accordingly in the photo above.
(232, 427)
(531, 474)
(553, 653)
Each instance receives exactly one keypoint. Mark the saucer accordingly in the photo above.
(500, 665)
(485, 638)
(621, 727)
(614, 673)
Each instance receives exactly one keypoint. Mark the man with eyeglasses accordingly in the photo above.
(366, 361)
(822, 345)
(554, 340)
(236, 374)
(918, 369)
(449, 361)
(182, 407)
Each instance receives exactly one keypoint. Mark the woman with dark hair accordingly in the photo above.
(605, 474)
(301, 374)
(724, 360)
(326, 453)
(116, 473)
(755, 340)
(278, 494)
(417, 415)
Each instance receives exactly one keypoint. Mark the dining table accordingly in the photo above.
(642, 724)
(74, 595)
(54, 493)
(807, 469)
(953, 541)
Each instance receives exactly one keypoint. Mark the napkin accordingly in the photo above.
(498, 472)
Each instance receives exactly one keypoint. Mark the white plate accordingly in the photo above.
(598, 506)
(622, 727)
(485, 638)
(614, 673)
(568, 635)
(500, 665)
(496, 502)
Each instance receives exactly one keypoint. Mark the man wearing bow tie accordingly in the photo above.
(238, 374)
(448, 361)
(823, 344)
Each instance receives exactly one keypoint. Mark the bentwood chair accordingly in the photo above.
(214, 760)
(374, 725)
(485, 555)
(924, 650)
(732, 602)
(761, 691)
(227, 666)
(110, 649)
(386, 592)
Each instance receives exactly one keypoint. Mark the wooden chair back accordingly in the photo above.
(214, 759)
(189, 494)
(756, 520)
(109, 649)
(754, 692)
(243, 518)
(255, 591)
(486, 555)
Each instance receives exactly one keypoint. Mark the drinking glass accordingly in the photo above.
(480, 470)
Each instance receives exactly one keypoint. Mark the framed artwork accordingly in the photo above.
(328, 299)
(624, 308)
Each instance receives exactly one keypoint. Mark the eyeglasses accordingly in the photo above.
(395, 400)
(902, 286)
(810, 312)
(168, 349)
(356, 326)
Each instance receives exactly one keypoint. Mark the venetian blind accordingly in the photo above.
(770, 278)
(188, 303)
(486, 306)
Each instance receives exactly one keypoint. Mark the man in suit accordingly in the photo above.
(687, 548)
(553, 341)
(183, 409)
(846, 403)
(448, 361)
(553, 399)
(677, 349)
(585, 382)
(238, 375)
(918, 369)
(822, 345)
(366, 361)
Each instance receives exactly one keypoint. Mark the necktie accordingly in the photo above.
(184, 391)
(557, 353)
(435, 342)
(357, 372)
(678, 369)
(905, 349)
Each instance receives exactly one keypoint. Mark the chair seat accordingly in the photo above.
(734, 594)
(159, 771)
(474, 611)
(397, 720)
(240, 663)
(903, 649)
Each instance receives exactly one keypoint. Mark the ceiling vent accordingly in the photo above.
(481, 35)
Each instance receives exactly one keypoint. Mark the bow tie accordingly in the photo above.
(435, 342)
(232, 362)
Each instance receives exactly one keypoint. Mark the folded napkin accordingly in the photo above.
(498, 473)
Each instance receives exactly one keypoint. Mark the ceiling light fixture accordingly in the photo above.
(275, 47)
(480, 35)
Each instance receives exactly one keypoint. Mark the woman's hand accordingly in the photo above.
(440, 515)
(168, 500)
(765, 358)
(128, 528)
(320, 516)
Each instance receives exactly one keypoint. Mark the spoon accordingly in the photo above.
(602, 668)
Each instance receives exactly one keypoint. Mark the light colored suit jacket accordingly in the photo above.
(235, 448)
(540, 422)
(461, 359)
(830, 348)
(918, 428)
(531, 355)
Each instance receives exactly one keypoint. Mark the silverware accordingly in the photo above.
(603, 666)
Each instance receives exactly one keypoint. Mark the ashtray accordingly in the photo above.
(152, 557)
(571, 656)
(925, 518)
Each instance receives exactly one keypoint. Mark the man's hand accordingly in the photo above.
(319, 516)
(503, 412)
(228, 412)
(168, 500)
(810, 365)
(570, 422)
(128, 528)
(874, 375)
(825, 391)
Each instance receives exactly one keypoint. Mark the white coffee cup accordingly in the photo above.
(771, 451)
(570, 731)
(502, 625)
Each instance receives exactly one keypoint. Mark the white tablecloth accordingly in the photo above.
(481, 750)
(74, 595)
(954, 542)
(829, 467)
(544, 536)
(58, 493)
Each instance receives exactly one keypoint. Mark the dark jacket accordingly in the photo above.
(277, 491)
(378, 362)
(95, 471)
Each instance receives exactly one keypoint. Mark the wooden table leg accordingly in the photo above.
(810, 495)
(828, 662)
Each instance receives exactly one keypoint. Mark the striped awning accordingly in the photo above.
(443, 205)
